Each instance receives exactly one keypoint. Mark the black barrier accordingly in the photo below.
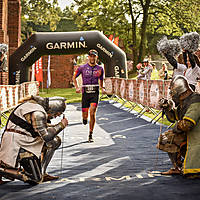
(63, 43)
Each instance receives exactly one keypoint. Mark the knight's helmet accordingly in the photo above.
(179, 85)
(52, 105)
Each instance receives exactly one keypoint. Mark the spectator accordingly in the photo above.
(141, 75)
(190, 69)
(154, 74)
(163, 72)
(145, 71)
(148, 69)
(3, 58)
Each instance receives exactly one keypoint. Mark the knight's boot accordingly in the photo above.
(47, 177)
(176, 170)
(13, 174)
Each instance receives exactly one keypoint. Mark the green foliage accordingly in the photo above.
(133, 20)
(176, 17)
(66, 23)
(107, 16)
(138, 23)
(173, 19)
(39, 13)
(45, 16)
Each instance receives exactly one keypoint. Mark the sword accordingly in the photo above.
(160, 132)
(63, 138)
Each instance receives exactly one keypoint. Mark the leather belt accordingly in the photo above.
(16, 131)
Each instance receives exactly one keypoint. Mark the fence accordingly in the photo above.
(11, 94)
(145, 93)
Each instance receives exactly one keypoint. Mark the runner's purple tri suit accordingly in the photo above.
(90, 78)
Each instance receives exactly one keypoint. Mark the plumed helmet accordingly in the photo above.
(179, 85)
(190, 41)
(51, 105)
(170, 47)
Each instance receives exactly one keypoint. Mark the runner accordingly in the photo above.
(92, 77)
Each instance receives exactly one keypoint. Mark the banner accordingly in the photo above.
(111, 38)
(48, 72)
(38, 70)
(116, 41)
(33, 73)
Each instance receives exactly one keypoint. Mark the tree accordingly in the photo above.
(147, 17)
(111, 17)
(66, 22)
(39, 13)
(176, 18)
(173, 20)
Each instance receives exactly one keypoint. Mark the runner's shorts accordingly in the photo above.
(88, 98)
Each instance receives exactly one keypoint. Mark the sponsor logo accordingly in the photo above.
(116, 69)
(81, 38)
(66, 45)
(17, 77)
(28, 54)
(110, 54)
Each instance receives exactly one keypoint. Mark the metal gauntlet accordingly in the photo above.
(39, 122)
(184, 125)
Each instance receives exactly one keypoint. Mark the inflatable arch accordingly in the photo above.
(59, 43)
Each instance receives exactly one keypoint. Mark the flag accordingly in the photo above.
(38, 71)
(111, 38)
(48, 73)
(33, 73)
(116, 41)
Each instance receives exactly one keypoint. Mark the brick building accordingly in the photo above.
(61, 68)
(10, 33)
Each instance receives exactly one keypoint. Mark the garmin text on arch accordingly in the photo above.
(105, 50)
(66, 45)
(28, 54)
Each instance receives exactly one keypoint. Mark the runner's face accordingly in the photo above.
(92, 59)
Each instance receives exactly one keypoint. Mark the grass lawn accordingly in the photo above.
(69, 93)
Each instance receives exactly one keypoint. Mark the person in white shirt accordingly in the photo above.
(145, 74)
(188, 68)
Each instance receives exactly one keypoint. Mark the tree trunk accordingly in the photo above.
(143, 31)
(134, 48)
(133, 30)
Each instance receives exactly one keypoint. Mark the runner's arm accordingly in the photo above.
(101, 81)
(76, 74)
